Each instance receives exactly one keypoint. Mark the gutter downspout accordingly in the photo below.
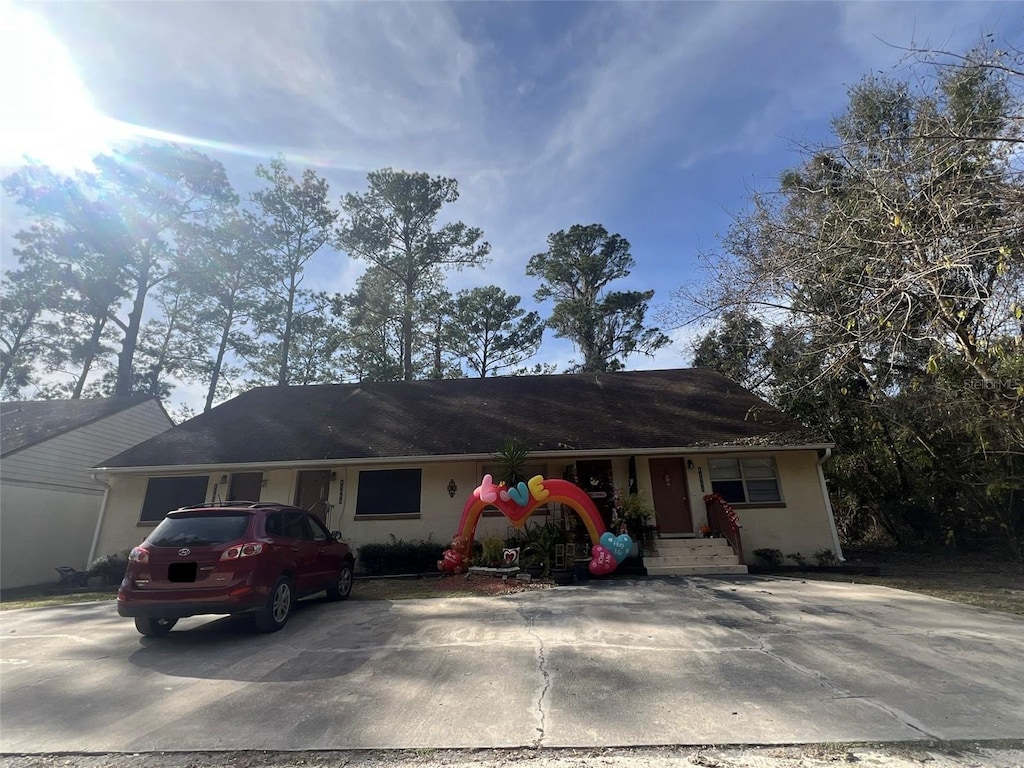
(828, 506)
(105, 482)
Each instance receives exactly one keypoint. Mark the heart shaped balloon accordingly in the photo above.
(619, 545)
(602, 561)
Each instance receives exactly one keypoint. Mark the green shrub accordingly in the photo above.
(771, 557)
(371, 558)
(398, 556)
(797, 558)
(493, 549)
(109, 569)
(826, 557)
(427, 554)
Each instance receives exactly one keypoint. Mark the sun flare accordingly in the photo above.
(46, 113)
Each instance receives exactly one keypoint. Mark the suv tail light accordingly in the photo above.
(239, 551)
(139, 555)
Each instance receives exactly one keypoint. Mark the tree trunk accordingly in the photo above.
(219, 362)
(8, 363)
(407, 335)
(99, 323)
(286, 339)
(126, 358)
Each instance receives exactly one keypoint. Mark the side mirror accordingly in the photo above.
(335, 535)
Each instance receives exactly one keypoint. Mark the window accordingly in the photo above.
(295, 526)
(389, 492)
(166, 493)
(199, 530)
(245, 486)
(319, 532)
(745, 481)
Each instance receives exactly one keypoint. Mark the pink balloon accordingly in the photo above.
(603, 562)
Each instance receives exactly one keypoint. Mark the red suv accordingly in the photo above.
(237, 557)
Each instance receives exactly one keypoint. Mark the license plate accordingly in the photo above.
(182, 572)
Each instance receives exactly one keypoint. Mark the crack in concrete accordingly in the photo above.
(841, 693)
(545, 676)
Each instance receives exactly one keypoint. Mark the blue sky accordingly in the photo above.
(654, 119)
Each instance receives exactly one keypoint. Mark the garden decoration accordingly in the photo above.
(456, 558)
(518, 503)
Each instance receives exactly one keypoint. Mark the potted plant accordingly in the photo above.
(635, 518)
(538, 549)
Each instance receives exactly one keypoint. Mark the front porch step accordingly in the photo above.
(692, 556)
(694, 570)
(717, 559)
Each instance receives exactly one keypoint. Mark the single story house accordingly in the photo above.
(49, 500)
(382, 459)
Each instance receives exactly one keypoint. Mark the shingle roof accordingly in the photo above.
(632, 410)
(26, 422)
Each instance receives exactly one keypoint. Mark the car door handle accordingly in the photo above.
(295, 549)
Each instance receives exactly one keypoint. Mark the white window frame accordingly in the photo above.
(745, 478)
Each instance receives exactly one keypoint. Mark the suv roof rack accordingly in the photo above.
(237, 503)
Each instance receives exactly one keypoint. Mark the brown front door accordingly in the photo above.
(311, 495)
(595, 478)
(671, 496)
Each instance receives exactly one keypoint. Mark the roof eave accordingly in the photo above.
(448, 458)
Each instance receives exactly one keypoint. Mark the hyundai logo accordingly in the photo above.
(185, 552)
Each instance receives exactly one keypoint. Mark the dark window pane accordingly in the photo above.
(199, 530)
(724, 469)
(319, 532)
(293, 527)
(763, 490)
(389, 492)
(759, 468)
(275, 524)
(166, 493)
(246, 486)
(730, 490)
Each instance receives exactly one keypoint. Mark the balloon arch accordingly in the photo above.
(518, 502)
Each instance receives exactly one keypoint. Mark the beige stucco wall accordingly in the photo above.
(41, 528)
(802, 525)
(49, 501)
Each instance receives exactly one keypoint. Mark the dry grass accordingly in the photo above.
(364, 589)
(986, 581)
(980, 580)
(42, 598)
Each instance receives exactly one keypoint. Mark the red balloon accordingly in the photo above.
(603, 562)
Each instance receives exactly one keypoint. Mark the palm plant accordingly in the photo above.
(511, 457)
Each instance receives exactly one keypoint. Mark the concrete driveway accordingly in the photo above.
(639, 662)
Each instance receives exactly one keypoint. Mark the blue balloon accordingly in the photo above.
(619, 545)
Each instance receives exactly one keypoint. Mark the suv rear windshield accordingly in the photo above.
(197, 530)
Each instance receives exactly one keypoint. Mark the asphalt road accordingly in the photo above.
(675, 661)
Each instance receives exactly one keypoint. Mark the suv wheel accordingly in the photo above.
(275, 613)
(151, 627)
(342, 586)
